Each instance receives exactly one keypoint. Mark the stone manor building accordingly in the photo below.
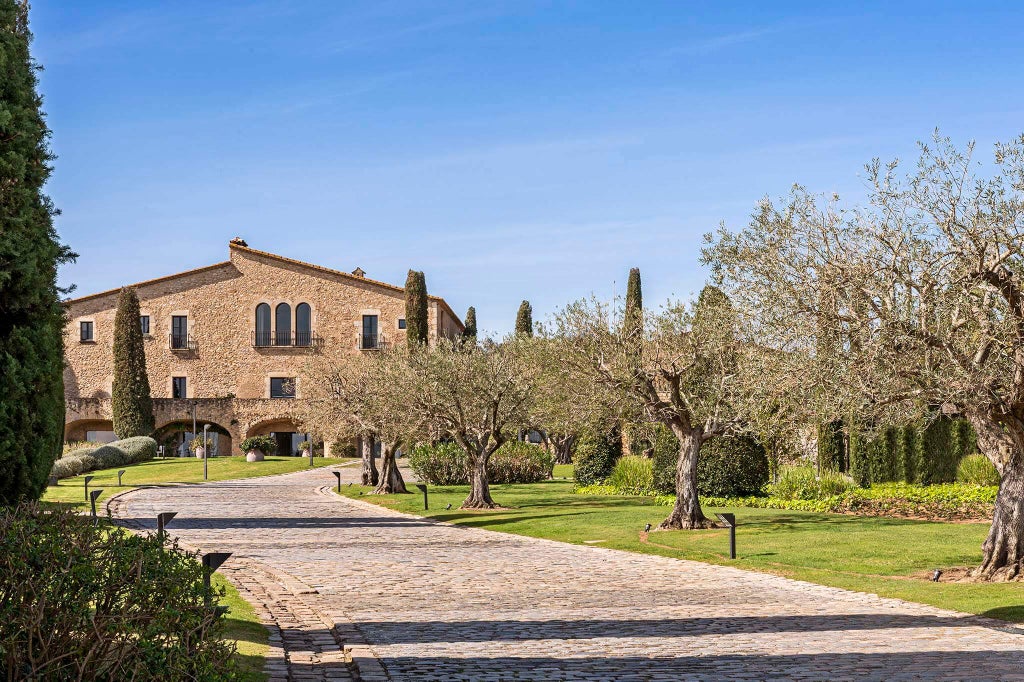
(227, 345)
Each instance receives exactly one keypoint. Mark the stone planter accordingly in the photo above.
(200, 453)
(254, 456)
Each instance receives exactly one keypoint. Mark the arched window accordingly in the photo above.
(283, 323)
(303, 325)
(262, 337)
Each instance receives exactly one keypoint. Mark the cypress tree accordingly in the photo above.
(633, 319)
(860, 455)
(524, 319)
(416, 327)
(130, 399)
(831, 446)
(470, 324)
(31, 315)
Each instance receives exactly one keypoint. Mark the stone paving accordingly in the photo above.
(358, 591)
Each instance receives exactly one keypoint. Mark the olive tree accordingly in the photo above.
(925, 284)
(680, 367)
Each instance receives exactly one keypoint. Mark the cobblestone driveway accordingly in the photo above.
(417, 600)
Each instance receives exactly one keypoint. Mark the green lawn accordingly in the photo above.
(174, 470)
(868, 554)
(242, 626)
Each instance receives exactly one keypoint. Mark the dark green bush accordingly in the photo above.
(441, 464)
(666, 457)
(732, 466)
(86, 602)
(911, 455)
(940, 454)
(596, 454)
(831, 445)
(860, 456)
(519, 462)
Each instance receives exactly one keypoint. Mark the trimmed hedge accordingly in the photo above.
(513, 462)
(736, 465)
(116, 454)
(596, 454)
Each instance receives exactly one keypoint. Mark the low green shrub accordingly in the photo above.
(735, 465)
(803, 483)
(596, 454)
(344, 448)
(116, 454)
(632, 475)
(72, 605)
(519, 462)
(264, 444)
(440, 464)
(977, 470)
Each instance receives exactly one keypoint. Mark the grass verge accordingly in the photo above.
(884, 556)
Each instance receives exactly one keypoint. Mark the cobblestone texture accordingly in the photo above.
(417, 600)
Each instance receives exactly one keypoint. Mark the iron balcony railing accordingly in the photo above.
(181, 342)
(371, 341)
(286, 339)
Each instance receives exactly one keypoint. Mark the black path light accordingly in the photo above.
(120, 473)
(423, 489)
(53, 481)
(211, 562)
(337, 475)
(162, 519)
(730, 522)
(93, 494)
(87, 479)
(449, 506)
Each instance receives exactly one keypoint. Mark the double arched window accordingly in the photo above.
(281, 333)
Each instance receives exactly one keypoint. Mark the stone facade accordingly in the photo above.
(227, 367)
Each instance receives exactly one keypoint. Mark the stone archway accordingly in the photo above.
(175, 435)
(94, 430)
(286, 433)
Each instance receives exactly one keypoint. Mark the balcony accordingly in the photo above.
(371, 341)
(181, 342)
(285, 340)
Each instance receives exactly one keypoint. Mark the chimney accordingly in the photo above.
(359, 272)
(238, 241)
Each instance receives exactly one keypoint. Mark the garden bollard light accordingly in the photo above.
(423, 489)
(449, 506)
(162, 519)
(119, 475)
(87, 479)
(730, 521)
(337, 475)
(92, 500)
(211, 562)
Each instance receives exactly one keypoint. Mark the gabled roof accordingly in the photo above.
(270, 256)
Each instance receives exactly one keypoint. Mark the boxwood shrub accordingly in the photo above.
(116, 454)
(727, 466)
(596, 454)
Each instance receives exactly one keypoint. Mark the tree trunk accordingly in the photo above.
(390, 477)
(479, 490)
(366, 448)
(1003, 551)
(686, 514)
(563, 448)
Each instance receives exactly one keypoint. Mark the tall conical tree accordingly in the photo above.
(31, 315)
(634, 314)
(416, 326)
(130, 399)
(524, 319)
(470, 324)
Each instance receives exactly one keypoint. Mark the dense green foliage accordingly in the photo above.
(666, 458)
(117, 454)
(524, 319)
(940, 454)
(72, 605)
(735, 465)
(633, 318)
(265, 444)
(977, 470)
(831, 445)
(448, 464)
(859, 453)
(632, 475)
(416, 323)
(595, 457)
(130, 399)
(469, 331)
(31, 315)
(803, 483)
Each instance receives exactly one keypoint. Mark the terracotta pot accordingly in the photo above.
(254, 456)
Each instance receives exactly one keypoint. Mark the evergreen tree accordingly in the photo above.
(130, 399)
(860, 455)
(634, 314)
(831, 446)
(416, 326)
(31, 315)
(524, 319)
(470, 324)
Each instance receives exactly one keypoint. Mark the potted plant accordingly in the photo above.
(199, 446)
(257, 447)
(306, 445)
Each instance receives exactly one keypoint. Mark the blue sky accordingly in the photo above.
(510, 150)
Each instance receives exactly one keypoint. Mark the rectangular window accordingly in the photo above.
(144, 323)
(179, 388)
(401, 323)
(282, 387)
(179, 331)
(369, 336)
(86, 331)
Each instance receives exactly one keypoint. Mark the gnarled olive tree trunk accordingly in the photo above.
(479, 489)
(686, 514)
(1002, 442)
(563, 445)
(366, 452)
(390, 477)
